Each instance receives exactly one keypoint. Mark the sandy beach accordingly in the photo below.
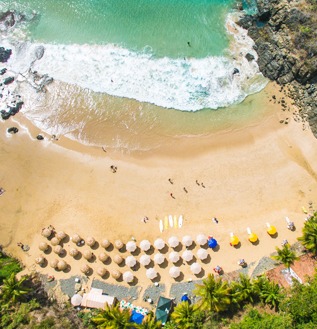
(259, 172)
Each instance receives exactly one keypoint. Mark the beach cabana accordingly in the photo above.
(173, 241)
(128, 276)
(53, 263)
(85, 268)
(118, 259)
(130, 261)
(103, 256)
(151, 273)
(76, 300)
(61, 235)
(62, 265)
(54, 241)
(116, 274)
(101, 271)
(234, 240)
(145, 260)
(76, 238)
(58, 250)
(173, 257)
(174, 272)
(201, 239)
(195, 268)
(90, 241)
(43, 246)
(87, 254)
(202, 254)
(159, 244)
(187, 255)
(212, 242)
(252, 236)
(163, 309)
(96, 299)
(105, 243)
(159, 258)
(118, 244)
(187, 240)
(271, 230)
(40, 260)
(145, 245)
(46, 232)
(73, 252)
(131, 246)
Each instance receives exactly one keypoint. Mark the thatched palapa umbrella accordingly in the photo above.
(174, 272)
(131, 246)
(130, 261)
(187, 255)
(118, 244)
(174, 257)
(151, 273)
(87, 254)
(118, 259)
(116, 274)
(73, 252)
(145, 260)
(173, 241)
(187, 240)
(76, 238)
(40, 260)
(43, 246)
(46, 232)
(90, 241)
(128, 276)
(58, 250)
(202, 254)
(159, 258)
(61, 235)
(103, 256)
(105, 243)
(159, 243)
(62, 265)
(53, 263)
(54, 241)
(85, 268)
(101, 271)
(145, 245)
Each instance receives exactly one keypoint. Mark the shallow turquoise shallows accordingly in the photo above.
(172, 28)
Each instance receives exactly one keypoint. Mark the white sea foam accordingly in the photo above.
(186, 84)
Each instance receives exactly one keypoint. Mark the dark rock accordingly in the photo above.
(3, 71)
(8, 80)
(13, 130)
(5, 115)
(249, 57)
(39, 52)
(235, 71)
(39, 137)
(5, 54)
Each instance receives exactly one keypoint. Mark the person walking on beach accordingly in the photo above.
(171, 194)
(185, 189)
(215, 220)
(170, 180)
(197, 182)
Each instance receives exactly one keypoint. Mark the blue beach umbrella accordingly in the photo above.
(136, 317)
(212, 243)
(185, 298)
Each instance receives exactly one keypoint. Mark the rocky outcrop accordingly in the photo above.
(285, 34)
(4, 54)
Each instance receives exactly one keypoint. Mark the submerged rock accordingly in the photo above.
(39, 137)
(5, 54)
(8, 80)
(13, 130)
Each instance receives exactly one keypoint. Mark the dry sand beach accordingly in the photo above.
(256, 173)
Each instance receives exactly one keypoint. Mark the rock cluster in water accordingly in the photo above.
(285, 34)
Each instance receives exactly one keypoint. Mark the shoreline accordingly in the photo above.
(258, 173)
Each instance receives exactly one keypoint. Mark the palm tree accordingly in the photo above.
(184, 313)
(286, 256)
(13, 289)
(242, 290)
(214, 293)
(112, 318)
(309, 237)
(149, 322)
(270, 294)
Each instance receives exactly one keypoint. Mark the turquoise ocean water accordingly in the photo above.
(173, 54)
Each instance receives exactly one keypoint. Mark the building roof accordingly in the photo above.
(163, 309)
(96, 299)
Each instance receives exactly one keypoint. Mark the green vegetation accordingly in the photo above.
(8, 266)
(285, 256)
(309, 237)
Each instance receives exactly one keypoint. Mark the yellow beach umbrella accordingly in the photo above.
(253, 237)
(271, 230)
(234, 240)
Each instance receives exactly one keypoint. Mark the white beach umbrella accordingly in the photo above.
(174, 272)
(187, 255)
(195, 268)
(76, 300)
(54, 241)
(151, 273)
(173, 257)
(145, 245)
(46, 232)
(76, 238)
(131, 246)
(105, 243)
(159, 258)
(159, 243)
(187, 240)
(202, 254)
(128, 276)
(130, 261)
(201, 239)
(90, 241)
(173, 241)
(43, 246)
(145, 260)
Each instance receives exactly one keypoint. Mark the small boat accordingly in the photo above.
(170, 219)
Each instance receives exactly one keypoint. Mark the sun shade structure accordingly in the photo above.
(76, 300)
(145, 260)
(173, 257)
(174, 272)
(195, 268)
(159, 258)
(54, 241)
(128, 276)
(130, 261)
(76, 238)
(87, 254)
(53, 263)
(159, 244)
(252, 236)
(163, 309)
(201, 239)
(105, 243)
(271, 229)
(40, 260)
(187, 255)
(103, 256)
(212, 242)
(234, 240)
(46, 232)
(61, 235)
(118, 244)
(90, 241)
(73, 252)
(43, 246)
(173, 241)
(187, 240)
(62, 265)
(85, 268)
(202, 254)
(58, 250)
(151, 273)
(118, 259)
(101, 271)
(145, 245)
(116, 274)
(131, 246)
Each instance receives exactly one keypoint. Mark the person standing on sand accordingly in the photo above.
(171, 194)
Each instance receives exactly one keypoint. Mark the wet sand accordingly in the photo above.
(259, 172)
